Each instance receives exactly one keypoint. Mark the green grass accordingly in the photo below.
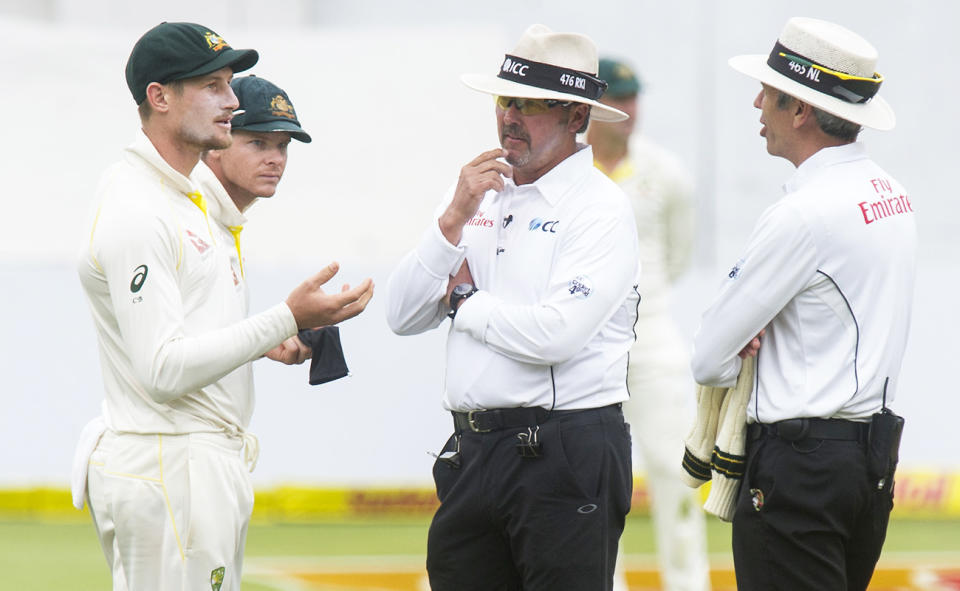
(53, 556)
(42, 557)
(346, 537)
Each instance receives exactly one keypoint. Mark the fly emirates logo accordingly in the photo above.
(479, 220)
(886, 206)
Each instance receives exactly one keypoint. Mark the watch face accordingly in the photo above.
(463, 289)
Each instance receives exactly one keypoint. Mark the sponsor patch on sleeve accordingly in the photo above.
(735, 271)
(580, 287)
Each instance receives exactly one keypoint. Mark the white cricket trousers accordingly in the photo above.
(661, 395)
(171, 510)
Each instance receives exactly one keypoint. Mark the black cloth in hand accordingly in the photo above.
(328, 363)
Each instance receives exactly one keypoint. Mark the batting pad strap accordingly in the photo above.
(728, 464)
(695, 471)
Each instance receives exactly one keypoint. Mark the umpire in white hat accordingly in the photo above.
(822, 296)
(535, 261)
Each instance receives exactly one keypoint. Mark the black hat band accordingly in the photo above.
(549, 77)
(846, 87)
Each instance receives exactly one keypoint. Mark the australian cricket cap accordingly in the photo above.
(264, 106)
(174, 51)
(824, 65)
(621, 80)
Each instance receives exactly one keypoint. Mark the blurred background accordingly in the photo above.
(376, 82)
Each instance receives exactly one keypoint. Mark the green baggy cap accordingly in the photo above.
(620, 78)
(266, 107)
(174, 51)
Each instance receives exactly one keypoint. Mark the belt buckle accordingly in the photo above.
(473, 423)
(793, 429)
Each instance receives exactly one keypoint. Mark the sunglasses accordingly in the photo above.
(530, 106)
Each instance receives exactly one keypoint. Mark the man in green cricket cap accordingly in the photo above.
(660, 193)
(263, 127)
(251, 168)
(165, 469)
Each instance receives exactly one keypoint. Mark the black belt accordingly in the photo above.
(810, 428)
(484, 421)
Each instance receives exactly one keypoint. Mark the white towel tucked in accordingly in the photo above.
(89, 438)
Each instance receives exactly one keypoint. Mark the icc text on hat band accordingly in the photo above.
(549, 77)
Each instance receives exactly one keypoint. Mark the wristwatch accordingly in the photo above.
(460, 293)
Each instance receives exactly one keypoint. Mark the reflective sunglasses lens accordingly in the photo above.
(525, 106)
(532, 106)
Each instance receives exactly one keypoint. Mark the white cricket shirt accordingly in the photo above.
(556, 262)
(829, 271)
(660, 193)
(169, 312)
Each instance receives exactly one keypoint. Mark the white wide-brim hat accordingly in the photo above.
(549, 65)
(826, 66)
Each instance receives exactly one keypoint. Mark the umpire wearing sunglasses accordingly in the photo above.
(533, 257)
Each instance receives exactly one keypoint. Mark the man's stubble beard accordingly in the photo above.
(205, 143)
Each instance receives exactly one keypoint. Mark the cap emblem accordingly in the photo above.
(280, 107)
(622, 72)
(215, 42)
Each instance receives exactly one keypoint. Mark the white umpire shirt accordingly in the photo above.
(556, 262)
(829, 272)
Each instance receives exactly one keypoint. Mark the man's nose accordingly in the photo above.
(512, 113)
(234, 102)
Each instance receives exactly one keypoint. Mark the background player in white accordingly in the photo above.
(822, 297)
(168, 486)
(659, 377)
(251, 168)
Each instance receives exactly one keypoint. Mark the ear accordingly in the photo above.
(157, 97)
(802, 112)
(578, 115)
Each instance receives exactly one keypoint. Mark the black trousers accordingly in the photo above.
(510, 523)
(808, 517)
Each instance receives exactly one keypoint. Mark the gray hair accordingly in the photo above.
(829, 124)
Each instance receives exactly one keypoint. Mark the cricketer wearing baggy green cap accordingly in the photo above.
(623, 90)
(660, 192)
(262, 127)
(166, 468)
(251, 168)
(175, 51)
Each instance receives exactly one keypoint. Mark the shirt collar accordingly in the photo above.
(145, 150)
(822, 159)
(222, 207)
(621, 171)
(558, 180)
